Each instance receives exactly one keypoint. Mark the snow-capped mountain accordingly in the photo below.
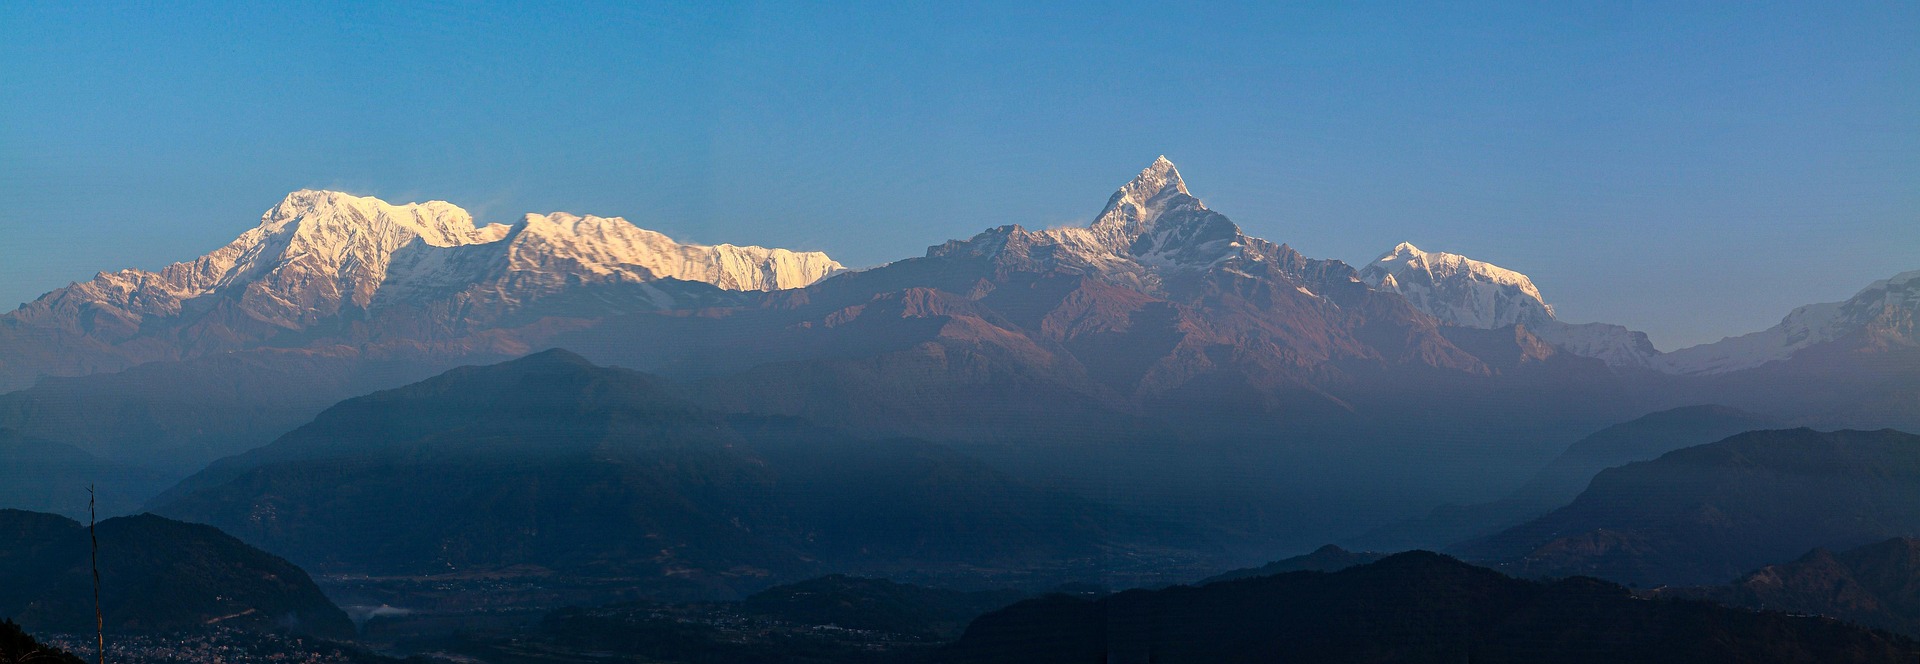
(1458, 290)
(1151, 229)
(310, 255)
(1879, 317)
(319, 257)
(1465, 292)
(318, 252)
(545, 254)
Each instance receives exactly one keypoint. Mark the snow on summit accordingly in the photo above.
(1458, 290)
(317, 253)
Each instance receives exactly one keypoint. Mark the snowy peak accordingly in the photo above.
(1150, 224)
(317, 212)
(1151, 201)
(1458, 290)
(614, 246)
(1881, 315)
(1465, 292)
(1147, 195)
(318, 254)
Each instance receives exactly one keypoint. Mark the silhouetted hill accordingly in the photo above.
(1411, 607)
(1706, 514)
(17, 647)
(552, 463)
(155, 574)
(1328, 558)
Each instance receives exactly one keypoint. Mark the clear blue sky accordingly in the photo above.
(1690, 170)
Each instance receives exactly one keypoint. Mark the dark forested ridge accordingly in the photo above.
(1410, 607)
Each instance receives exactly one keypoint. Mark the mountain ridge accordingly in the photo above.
(326, 260)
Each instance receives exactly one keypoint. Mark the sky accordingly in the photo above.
(1690, 170)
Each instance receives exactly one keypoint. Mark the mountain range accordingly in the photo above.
(1158, 359)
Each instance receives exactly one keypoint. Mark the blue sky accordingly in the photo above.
(1692, 170)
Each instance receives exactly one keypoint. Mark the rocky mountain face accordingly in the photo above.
(1410, 607)
(325, 266)
(1707, 514)
(1158, 298)
(156, 575)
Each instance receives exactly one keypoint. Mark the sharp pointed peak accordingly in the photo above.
(1155, 189)
(1158, 178)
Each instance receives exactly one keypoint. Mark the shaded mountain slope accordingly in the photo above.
(155, 574)
(553, 463)
(1706, 514)
(1640, 439)
(1877, 585)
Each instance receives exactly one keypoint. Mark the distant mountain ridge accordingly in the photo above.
(325, 258)
(1706, 514)
(1879, 318)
